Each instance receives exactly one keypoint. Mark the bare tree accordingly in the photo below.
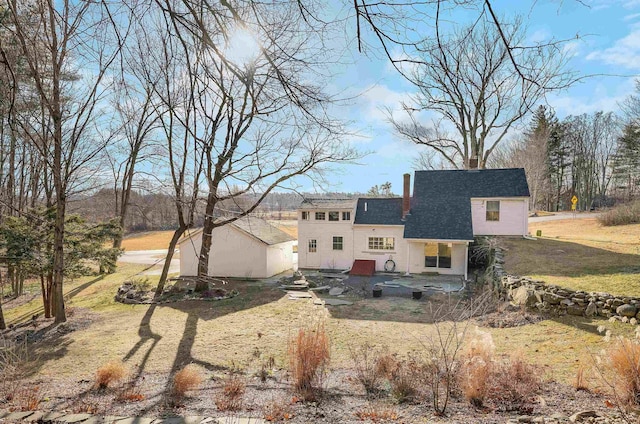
(469, 81)
(55, 42)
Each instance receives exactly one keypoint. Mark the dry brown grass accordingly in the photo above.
(580, 383)
(187, 379)
(27, 398)
(513, 384)
(377, 414)
(110, 373)
(232, 395)
(475, 369)
(624, 358)
(151, 240)
(288, 226)
(369, 365)
(309, 356)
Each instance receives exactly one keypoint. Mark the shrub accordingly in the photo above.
(187, 379)
(404, 379)
(624, 357)
(367, 366)
(109, 373)
(130, 392)
(278, 409)
(232, 394)
(512, 385)
(28, 398)
(628, 213)
(308, 358)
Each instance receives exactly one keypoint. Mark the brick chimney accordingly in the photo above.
(406, 196)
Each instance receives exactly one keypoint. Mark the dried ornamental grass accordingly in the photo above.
(110, 373)
(308, 358)
(232, 394)
(624, 357)
(187, 379)
(476, 367)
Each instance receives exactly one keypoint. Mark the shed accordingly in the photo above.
(249, 247)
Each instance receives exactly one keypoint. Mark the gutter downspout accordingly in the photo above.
(466, 262)
(408, 258)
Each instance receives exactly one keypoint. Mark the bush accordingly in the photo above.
(28, 398)
(624, 358)
(308, 358)
(628, 213)
(512, 385)
(109, 373)
(279, 409)
(367, 366)
(130, 392)
(404, 377)
(232, 394)
(187, 379)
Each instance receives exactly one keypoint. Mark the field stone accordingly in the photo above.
(576, 310)
(591, 310)
(627, 310)
(583, 415)
(523, 296)
(551, 298)
(335, 291)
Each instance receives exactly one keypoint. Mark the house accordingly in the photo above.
(427, 232)
(246, 248)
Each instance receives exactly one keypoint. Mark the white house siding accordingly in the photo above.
(458, 258)
(361, 234)
(233, 254)
(323, 232)
(513, 217)
(279, 257)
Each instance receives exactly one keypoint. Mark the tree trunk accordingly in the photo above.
(3, 324)
(167, 262)
(46, 296)
(207, 229)
(58, 264)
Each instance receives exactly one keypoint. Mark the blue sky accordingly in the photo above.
(608, 49)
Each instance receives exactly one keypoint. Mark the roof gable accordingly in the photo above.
(256, 228)
(379, 211)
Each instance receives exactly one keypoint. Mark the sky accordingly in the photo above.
(607, 51)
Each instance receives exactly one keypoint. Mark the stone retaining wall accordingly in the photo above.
(554, 299)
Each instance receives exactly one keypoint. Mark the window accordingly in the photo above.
(319, 216)
(313, 246)
(493, 210)
(346, 216)
(305, 215)
(334, 216)
(337, 242)
(381, 243)
(437, 255)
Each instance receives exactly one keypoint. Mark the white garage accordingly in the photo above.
(247, 248)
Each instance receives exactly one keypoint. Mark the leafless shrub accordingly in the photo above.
(513, 384)
(187, 379)
(15, 360)
(368, 369)
(308, 358)
(278, 410)
(628, 213)
(232, 394)
(130, 392)
(27, 398)
(110, 373)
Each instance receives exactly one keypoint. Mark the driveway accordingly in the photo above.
(153, 258)
(564, 215)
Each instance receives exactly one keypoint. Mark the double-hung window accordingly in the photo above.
(337, 243)
(493, 210)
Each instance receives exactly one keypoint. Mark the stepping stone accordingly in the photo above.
(318, 302)
(135, 420)
(18, 416)
(299, 295)
(102, 419)
(236, 420)
(337, 302)
(320, 289)
(336, 291)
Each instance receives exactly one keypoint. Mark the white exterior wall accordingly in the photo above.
(458, 258)
(361, 234)
(279, 258)
(513, 217)
(323, 232)
(236, 254)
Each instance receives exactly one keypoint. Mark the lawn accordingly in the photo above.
(580, 254)
(149, 240)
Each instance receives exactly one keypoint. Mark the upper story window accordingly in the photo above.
(305, 215)
(381, 243)
(493, 210)
(319, 216)
(346, 216)
(334, 216)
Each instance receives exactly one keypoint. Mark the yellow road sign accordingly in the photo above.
(573, 207)
(574, 200)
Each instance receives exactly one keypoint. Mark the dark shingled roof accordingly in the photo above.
(441, 206)
(380, 211)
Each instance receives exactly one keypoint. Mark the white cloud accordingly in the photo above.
(378, 101)
(602, 98)
(571, 48)
(625, 52)
(631, 17)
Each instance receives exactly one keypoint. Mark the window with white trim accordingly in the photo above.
(319, 216)
(334, 216)
(313, 246)
(346, 216)
(493, 210)
(381, 243)
(337, 242)
(305, 215)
